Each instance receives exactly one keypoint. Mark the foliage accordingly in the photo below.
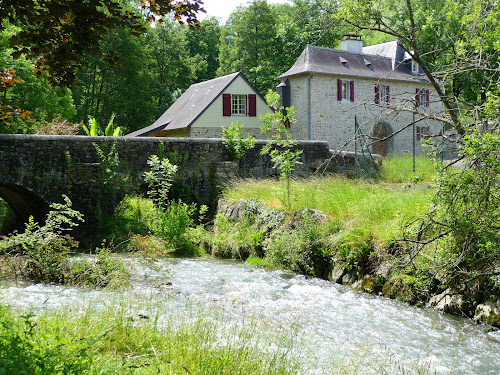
(58, 126)
(400, 169)
(27, 348)
(45, 248)
(280, 144)
(101, 271)
(204, 44)
(172, 224)
(159, 179)
(263, 40)
(233, 141)
(113, 183)
(131, 216)
(8, 112)
(58, 33)
(105, 341)
(465, 217)
(172, 69)
(94, 130)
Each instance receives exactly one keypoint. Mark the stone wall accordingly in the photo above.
(333, 121)
(37, 170)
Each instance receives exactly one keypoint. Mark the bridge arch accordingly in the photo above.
(24, 203)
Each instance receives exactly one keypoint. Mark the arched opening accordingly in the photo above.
(23, 204)
(381, 145)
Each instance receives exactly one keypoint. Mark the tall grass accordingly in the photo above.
(380, 209)
(119, 342)
(400, 169)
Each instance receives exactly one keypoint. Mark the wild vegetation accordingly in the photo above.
(115, 341)
(406, 236)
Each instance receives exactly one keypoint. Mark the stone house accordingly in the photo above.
(207, 106)
(379, 86)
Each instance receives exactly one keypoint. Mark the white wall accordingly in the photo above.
(212, 117)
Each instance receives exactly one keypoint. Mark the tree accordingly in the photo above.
(172, 68)
(57, 33)
(203, 44)
(453, 42)
(24, 94)
(126, 89)
(456, 45)
(248, 42)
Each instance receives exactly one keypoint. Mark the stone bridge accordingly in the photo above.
(37, 170)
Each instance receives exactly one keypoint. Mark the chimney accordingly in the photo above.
(352, 43)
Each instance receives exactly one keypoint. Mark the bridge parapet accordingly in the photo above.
(37, 170)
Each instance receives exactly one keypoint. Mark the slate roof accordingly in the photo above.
(191, 105)
(383, 61)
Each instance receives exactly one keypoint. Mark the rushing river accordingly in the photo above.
(333, 324)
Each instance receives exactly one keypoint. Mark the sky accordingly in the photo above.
(222, 8)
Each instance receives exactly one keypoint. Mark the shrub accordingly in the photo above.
(234, 143)
(45, 248)
(131, 216)
(58, 126)
(159, 179)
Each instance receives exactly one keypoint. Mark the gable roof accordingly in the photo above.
(191, 105)
(383, 61)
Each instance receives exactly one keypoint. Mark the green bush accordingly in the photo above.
(25, 348)
(130, 217)
(234, 143)
(172, 223)
(43, 253)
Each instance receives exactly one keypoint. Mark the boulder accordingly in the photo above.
(447, 302)
(233, 211)
(488, 313)
(337, 273)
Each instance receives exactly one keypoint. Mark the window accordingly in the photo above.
(422, 132)
(382, 94)
(415, 68)
(422, 97)
(345, 90)
(239, 105)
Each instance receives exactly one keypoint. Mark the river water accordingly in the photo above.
(333, 324)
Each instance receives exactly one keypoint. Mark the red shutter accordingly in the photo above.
(252, 105)
(417, 97)
(226, 105)
(388, 93)
(377, 94)
(427, 98)
(339, 89)
(351, 84)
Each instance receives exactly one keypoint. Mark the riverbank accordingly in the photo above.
(238, 319)
(352, 233)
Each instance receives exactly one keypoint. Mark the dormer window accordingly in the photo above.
(415, 68)
(344, 62)
(368, 64)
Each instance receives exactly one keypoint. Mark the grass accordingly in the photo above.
(379, 208)
(201, 340)
(400, 169)
(119, 342)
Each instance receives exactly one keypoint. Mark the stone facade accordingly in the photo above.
(321, 116)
